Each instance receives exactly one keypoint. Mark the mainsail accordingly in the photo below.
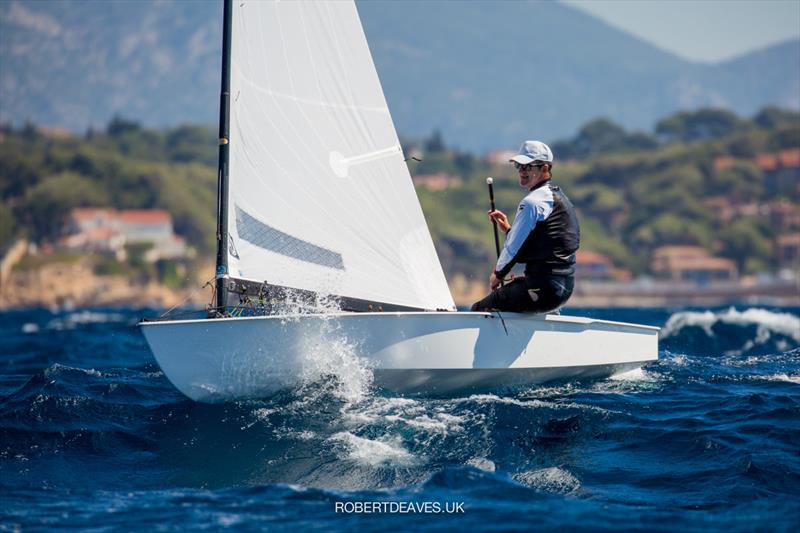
(320, 198)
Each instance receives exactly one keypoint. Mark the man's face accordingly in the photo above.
(530, 174)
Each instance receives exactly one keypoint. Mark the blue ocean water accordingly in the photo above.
(94, 437)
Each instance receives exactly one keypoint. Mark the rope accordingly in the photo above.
(168, 311)
(502, 321)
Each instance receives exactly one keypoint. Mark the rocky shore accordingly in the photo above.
(75, 284)
(58, 285)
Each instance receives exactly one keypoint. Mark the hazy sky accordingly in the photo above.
(701, 30)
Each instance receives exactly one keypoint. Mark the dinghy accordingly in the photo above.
(322, 242)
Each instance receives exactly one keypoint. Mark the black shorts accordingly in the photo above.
(535, 293)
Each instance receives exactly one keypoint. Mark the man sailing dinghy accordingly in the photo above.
(316, 205)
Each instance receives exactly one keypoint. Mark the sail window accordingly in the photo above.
(269, 238)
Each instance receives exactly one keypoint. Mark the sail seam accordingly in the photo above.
(333, 105)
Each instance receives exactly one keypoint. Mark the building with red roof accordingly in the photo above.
(690, 263)
(592, 265)
(107, 230)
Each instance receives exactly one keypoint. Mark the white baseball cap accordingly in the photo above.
(531, 151)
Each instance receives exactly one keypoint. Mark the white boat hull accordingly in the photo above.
(413, 353)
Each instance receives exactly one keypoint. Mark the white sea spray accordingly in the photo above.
(482, 463)
(330, 352)
(328, 349)
(637, 374)
(553, 479)
(780, 377)
(532, 404)
(370, 452)
(766, 321)
(768, 324)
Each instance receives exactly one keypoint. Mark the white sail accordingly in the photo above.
(320, 197)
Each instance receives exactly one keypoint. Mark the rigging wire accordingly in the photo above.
(192, 293)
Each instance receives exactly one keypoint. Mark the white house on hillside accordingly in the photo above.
(107, 230)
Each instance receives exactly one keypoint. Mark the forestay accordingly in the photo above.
(320, 197)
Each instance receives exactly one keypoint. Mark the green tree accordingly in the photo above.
(434, 144)
(7, 226)
(774, 117)
(192, 143)
(669, 228)
(45, 206)
(595, 236)
(464, 162)
(785, 138)
(604, 203)
(20, 167)
(746, 243)
(599, 135)
(119, 126)
(744, 146)
(602, 136)
(743, 181)
(700, 125)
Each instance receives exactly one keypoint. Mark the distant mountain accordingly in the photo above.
(76, 63)
(768, 75)
(494, 73)
(487, 74)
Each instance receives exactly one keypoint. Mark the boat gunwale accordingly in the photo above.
(567, 319)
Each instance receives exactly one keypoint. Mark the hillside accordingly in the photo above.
(77, 64)
(710, 179)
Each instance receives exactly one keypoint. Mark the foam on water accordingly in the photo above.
(88, 371)
(767, 323)
(405, 412)
(380, 410)
(784, 323)
(482, 463)
(677, 360)
(781, 377)
(373, 452)
(425, 422)
(637, 374)
(530, 404)
(553, 479)
(78, 318)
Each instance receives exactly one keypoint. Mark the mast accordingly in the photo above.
(222, 169)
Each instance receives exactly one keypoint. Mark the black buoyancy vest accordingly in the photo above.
(550, 248)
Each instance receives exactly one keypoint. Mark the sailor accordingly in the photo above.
(545, 236)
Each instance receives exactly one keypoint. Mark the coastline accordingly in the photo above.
(76, 285)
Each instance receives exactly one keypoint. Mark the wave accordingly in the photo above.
(575, 442)
(731, 332)
(80, 318)
(783, 377)
(699, 429)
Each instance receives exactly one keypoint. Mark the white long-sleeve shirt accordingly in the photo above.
(535, 207)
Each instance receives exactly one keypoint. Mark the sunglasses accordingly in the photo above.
(529, 166)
